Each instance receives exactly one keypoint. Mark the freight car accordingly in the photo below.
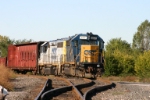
(23, 57)
(78, 55)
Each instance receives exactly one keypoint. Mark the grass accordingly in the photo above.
(5, 77)
(123, 78)
(127, 78)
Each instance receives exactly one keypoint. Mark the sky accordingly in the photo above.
(45, 20)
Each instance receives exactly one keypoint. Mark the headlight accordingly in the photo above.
(98, 65)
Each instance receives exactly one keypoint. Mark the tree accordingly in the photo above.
(23, 41)
(119, 60)
(142, 64)
(141, 39)
(4, 43)
(118, 44)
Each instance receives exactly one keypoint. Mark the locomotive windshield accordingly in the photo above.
(89, 42)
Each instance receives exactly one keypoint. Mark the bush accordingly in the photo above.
(111, 66)
(5, 76)
(142, 65)
(119, 63)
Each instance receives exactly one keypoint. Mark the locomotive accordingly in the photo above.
(79, 55)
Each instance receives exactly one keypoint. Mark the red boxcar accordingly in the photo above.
(23, 57)
(3, 61)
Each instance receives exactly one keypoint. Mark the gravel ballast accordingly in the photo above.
(125, 92)
(28, 87)
(25, 88)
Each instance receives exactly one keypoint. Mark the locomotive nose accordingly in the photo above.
(89, 53)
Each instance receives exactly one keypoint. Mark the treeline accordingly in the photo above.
(122, 58)
(6, 41)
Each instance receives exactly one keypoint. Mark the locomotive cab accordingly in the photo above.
(43, 54)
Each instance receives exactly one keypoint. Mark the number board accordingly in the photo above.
(83, 37)
(94, 38)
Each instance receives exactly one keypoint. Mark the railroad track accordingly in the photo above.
(72, 89)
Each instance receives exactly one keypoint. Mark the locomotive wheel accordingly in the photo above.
(99, 73)
(56, 72)
(34, 72)
(73, 71)
(42, 71)
(82, 74)
(93, 76)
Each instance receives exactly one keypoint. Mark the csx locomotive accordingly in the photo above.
(78, 55)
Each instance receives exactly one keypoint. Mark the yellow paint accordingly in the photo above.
(64, 51)
(89, 53)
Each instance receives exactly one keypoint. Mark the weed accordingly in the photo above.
(5, 76)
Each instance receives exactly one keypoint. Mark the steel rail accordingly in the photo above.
(48, 93)
(55, 92)
(47, 86)
(77, 92)
(87, 95)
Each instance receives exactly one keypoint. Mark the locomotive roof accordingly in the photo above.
(74, 36)
(62, 39)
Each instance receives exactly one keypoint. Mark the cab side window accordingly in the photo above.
(76, 43)
(44, 49)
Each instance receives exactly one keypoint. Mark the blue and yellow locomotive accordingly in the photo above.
(78, 55)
